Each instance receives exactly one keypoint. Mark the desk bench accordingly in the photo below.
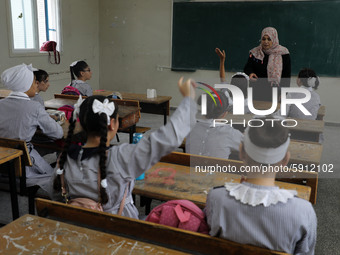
(36, 235)
(192, 242)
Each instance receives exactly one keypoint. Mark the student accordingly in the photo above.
(42, 80)
(307, 79)
(117, 166)
(24, 119)
(210, 139)
(239, 79)
(257, 212)
(82, 71)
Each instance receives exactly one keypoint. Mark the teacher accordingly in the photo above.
(268, 66)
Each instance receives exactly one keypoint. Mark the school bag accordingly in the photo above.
(67, 109)
(182, 214)
(51, 46)
(69, 90)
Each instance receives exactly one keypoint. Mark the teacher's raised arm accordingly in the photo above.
(268, 65)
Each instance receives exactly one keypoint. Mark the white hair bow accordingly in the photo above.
(77, 107)
(106, 107)
(74, 63)
(311, 82)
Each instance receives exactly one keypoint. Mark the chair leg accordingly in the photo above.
(23, 189)
(32, 191)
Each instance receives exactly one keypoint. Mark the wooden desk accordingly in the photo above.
(158, 105)
(128, 115)
(193, 186)
(12, 158)
(308, 130)
(307, 153)
(35, 235)
(301, 152)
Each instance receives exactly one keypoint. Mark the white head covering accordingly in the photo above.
(264, 155)
(18, 78)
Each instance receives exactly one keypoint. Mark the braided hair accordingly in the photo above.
(93, 124)
(77, 68)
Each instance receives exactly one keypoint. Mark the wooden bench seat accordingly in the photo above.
(174, 238)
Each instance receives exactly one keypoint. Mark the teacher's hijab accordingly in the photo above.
(275, 52)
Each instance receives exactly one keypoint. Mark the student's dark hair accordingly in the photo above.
(77, 68)
(40, 75)
(93, 124)
(306, 73)
(215, 110)
(271, 135)
(241, 82)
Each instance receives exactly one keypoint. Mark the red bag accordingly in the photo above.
(51, 46)
(182, 214)
(68, 109)
(69, 90)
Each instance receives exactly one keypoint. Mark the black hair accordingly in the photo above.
(271, 135)
(40, 75)
(77, 68)
(93, 124)
(241, 82)
(307, 73)
(216, 110)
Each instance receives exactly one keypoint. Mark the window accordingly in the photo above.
(32, 23)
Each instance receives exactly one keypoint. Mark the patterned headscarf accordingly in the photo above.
(274, 68)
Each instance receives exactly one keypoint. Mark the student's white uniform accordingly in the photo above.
(312, 105)
(83, 87)
(288, 226)
(125, 162)
(207, 140)
(38, 99)
(19, 119)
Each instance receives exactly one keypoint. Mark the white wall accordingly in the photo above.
(80, 22)
(135, 38)
(124, 41)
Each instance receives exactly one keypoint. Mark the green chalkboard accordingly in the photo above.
(309, 29)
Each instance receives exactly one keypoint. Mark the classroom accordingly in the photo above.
(129, 47)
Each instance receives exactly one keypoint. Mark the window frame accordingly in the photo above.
(36, 50)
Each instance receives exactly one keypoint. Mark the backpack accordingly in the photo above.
(51, 46)
(182, 214)
(67, 109)
(69, 90)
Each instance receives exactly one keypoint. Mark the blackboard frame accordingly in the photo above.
(309, 29)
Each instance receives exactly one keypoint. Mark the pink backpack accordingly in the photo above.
(182, 214)
(69, 90)
(68, 109)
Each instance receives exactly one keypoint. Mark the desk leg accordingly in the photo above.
(13, 190)
(132, 130)
(166, 110)
(145, 201)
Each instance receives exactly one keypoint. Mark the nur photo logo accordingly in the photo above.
(239, 99)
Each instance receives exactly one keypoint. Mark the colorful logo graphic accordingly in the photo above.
(208, 92)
